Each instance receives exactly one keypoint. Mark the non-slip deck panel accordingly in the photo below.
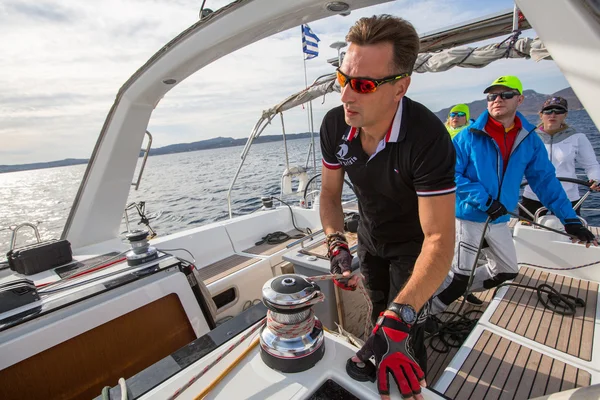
(267, 249)
(436, 361)
(497, 368)
(224, 267)
(521, 312)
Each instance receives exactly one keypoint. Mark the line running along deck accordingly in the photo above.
(436, 361)
(267, 249)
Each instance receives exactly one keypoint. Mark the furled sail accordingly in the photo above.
(479, 57)
(464, 57)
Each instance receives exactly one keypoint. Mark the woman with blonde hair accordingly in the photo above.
(458, 118)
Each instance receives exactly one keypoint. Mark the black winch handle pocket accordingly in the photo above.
(361, 371)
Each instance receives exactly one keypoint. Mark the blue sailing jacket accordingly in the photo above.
(479, 175)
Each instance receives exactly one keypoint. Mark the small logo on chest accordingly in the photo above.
(342, 155)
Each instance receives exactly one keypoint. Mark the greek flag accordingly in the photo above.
(310, 43)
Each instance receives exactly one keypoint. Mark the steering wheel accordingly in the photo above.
(346, 181)
(580, 182)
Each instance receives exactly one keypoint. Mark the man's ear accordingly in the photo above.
(521, 100)
(401, 88)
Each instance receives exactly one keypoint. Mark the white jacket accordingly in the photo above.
(564, 148)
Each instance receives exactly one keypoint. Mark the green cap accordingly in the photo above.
(508, 81)
(460, 107)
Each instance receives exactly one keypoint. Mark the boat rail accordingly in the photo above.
(265, 120)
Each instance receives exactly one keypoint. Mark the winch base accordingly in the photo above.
(292, 365)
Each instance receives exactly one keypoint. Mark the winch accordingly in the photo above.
(292, 339)
(141, 251)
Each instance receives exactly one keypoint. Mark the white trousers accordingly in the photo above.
(499, 261)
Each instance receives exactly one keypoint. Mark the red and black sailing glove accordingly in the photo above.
(340, 258)
(389, 343)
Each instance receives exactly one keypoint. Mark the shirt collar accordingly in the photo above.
(498, 127)
(393, 133)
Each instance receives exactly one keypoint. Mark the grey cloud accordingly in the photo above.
(131, 29)
(44, 11)
(37, 100)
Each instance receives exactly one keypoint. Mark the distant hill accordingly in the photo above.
(532, 104)
(213, 143)
(51, 164)
(219, 142)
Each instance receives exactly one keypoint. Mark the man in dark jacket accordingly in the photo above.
(492, 156)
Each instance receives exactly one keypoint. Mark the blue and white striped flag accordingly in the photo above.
(310, 42)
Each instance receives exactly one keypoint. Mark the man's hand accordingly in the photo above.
(581, 233)
(341, 263)
(496, 210)
(594, 187)
(393, 355)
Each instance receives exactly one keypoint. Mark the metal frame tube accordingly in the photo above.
(287, 160)
(146, 153)
(13, 238)
(254, 134)
(515, 18)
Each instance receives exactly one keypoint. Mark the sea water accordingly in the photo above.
(183, 190)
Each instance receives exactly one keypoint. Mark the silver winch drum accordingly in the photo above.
(288, 298)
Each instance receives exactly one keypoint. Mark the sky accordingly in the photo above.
(63, 62)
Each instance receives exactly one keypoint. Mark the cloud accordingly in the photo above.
(63, 64)
(39, 11)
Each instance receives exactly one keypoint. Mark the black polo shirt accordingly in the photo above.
(416, 158)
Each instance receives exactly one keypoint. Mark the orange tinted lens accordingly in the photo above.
(341, 79)
(363, 85)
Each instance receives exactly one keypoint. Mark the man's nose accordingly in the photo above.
(348, 95)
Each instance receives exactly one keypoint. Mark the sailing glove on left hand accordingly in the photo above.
(340, 259)
(389, 343)
(580, 232)
(496, 210)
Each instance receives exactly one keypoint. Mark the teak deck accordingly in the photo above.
(437, 362)
(521, 312)
(497, 368)
(224, 267)
(236, 262)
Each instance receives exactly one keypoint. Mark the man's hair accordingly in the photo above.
(386, 28)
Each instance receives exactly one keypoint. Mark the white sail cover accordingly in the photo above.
(479, 57)
(465, 57)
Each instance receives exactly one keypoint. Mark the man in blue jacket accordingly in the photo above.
(492, 156)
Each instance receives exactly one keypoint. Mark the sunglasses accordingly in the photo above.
(556, 111)
(504, 95)
(457, 114)
(365, 85)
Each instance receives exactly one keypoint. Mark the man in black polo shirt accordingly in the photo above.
(401, 161)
